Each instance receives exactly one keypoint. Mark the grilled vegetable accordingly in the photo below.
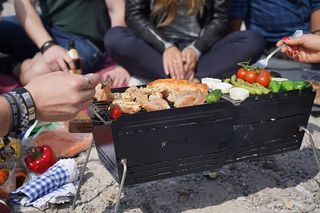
(238, 94)
(300, 85)
(264, 89)
(275, 86)
(242, 84)
(214, 96)
(287, 85)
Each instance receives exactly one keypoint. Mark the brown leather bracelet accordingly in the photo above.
(47, 45)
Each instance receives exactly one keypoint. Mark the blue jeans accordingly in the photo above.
(15, 42)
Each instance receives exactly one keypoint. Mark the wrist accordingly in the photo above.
(22, 109)
(6, 115)
(47, 45)
(196, 51)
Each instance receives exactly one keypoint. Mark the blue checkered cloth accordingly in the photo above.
(58, 175)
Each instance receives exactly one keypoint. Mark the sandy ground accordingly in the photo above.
(283, 183)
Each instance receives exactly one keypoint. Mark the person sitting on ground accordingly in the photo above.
(84, 22)
(286, 17)
(180, 39)
(56, 96)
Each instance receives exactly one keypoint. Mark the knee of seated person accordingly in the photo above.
(115, 38)
(254, 38)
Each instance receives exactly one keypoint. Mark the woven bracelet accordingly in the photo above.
(27, 107)
(15, 113)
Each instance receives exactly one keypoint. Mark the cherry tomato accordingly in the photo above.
(264, 80)
(241, 73)
(265, 73)
(115, 112)
(251, 77)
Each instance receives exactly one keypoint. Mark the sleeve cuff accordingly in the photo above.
(198, 53)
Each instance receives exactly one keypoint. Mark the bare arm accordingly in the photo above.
(315, 21)
(31, 22)
(5, 116)
(116, 9)
(55, 57)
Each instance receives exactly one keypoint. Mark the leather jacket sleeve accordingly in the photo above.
(137, 18)
(216, 26)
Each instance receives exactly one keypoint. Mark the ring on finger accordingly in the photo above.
(88, 83)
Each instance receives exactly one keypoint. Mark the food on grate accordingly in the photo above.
(214, 96)
(103, 93)
(188, 98)
(129, 107)
(156, 104)
(177, 85)
(181, 93)
(238, 94)
(156, 95)
(274, 86)
(115, 112)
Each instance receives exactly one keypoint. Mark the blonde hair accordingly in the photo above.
(170, 6)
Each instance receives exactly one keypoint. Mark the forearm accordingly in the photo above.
(31, 22)
(116, 10)
(315, 22)
(5, 117)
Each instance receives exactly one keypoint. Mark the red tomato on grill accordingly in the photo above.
(264, 80)
(251, 77)
(115, 112)
(241, 73)
(265, 73)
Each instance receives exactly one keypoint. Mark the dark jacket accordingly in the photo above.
(213, 23)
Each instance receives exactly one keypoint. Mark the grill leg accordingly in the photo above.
(313, 146)
(81, 175)
(124, 174)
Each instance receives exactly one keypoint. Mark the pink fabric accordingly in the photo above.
(7, 83)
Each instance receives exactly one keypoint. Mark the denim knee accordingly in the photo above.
(255, 41)
(116, 39)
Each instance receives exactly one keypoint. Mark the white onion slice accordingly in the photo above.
(224, 87)
(210, 80)
(238, 94)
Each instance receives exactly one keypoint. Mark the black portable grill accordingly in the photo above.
(181, 141)
(148, 146)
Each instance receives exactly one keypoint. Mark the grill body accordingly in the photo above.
(181, 141)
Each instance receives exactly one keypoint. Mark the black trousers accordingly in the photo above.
(140, 59)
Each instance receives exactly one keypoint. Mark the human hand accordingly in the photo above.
(30, 69)
(59, 96)
(120, 77)
(189, 58)
(305, 49)
(172, 62)
(57, 59)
